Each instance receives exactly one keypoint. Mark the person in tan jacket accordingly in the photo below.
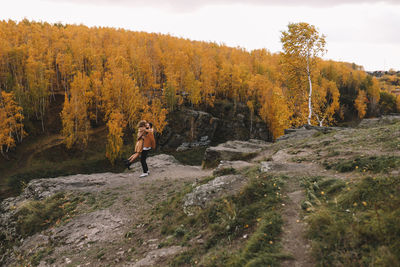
(142, 132)
(148, 143)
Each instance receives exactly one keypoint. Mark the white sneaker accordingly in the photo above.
(148, 172)
(144, 174)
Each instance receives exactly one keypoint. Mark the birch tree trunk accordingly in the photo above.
(309, 94)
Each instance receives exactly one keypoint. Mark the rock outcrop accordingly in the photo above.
(202, 195)
(189, 128)
(232, 151)
(111, 203)
(305, 131)
(373, 122)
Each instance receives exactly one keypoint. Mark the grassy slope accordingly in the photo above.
(353, 219)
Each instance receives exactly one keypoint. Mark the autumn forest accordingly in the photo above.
(117, 77)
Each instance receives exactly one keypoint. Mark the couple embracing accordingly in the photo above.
(145, 142)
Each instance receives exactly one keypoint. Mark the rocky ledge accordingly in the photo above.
(233, 151)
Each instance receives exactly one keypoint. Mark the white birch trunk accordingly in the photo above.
(310, 93)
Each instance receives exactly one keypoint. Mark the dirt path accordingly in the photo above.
(293, 237)
(294, 241)
(294, 228)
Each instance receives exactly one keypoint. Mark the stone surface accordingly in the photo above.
(305, 131)
(367, 123)
(103, 225)
(152, 257)
(232, 151)
(203, 142)
(158, 161)
(202, 195)
(237, 165)
(99, 225)
(187, 127)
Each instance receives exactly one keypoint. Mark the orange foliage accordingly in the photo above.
(11, 127)
(361, 103)
(115, 125)
(74, 115)
(398, 103)
(113, 74)
(156, 114)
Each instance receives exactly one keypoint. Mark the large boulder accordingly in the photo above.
(232, 151)
(202, 195)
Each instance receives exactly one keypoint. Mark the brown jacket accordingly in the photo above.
(149, 140)
(140, 137)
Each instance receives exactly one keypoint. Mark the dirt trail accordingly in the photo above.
(293, 237)
(294, 241)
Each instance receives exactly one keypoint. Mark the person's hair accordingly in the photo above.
(151, 124)
(141, 124)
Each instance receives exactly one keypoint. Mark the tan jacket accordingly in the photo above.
(149, 140)
(140, 139)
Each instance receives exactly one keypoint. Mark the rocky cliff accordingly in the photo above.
(192, 128)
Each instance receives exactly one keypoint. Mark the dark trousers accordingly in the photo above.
(143, 157)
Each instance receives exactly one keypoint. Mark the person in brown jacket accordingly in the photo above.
(148, 143)
(142, 132)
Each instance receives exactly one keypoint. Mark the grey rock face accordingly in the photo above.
(305, 131)
(203, 194)
(233, 150)
(100, 225)
(203, 142)
(189, 128)
(387, 119)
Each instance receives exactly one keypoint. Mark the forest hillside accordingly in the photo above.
(69, 79)
(71, 95)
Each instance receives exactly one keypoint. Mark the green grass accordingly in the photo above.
(252, 213)
(375, 164)
(40, 254)
(37, 215)
(354, 223)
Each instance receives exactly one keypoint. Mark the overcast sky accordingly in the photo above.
(365, 32)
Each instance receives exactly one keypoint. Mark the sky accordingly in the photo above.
(366, 32)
